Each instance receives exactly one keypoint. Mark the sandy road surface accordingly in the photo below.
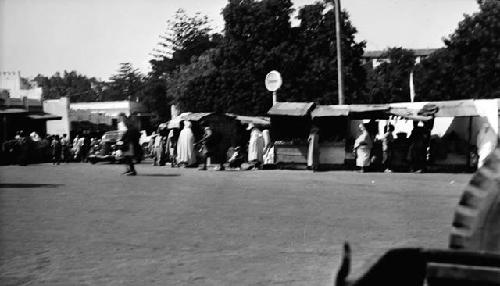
(80, 224)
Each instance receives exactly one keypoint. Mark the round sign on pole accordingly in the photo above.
(273, 81)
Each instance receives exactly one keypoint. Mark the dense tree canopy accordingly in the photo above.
(469, 65)
(203, 71)
(259, 38)
(71, 84)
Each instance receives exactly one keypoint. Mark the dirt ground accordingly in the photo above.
(82, 224)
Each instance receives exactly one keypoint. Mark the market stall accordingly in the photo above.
(290, 127)
(338, 128)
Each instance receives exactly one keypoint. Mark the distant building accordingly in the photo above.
(375, 57)
(93, 117)
(21, 107)
(19, 87)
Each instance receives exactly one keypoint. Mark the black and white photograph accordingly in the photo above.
(249, 142)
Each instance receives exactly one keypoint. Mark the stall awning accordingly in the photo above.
(409, 114)
(371, 110)
(44, 116)
(330, 111)
(291, 108)
(174, 123)
(257, 120)
(194, 116)
(13, 111)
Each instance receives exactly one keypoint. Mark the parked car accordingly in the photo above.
(107, 150)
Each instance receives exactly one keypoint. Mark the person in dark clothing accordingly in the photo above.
(387, 141)
(65, 148)
(418, 150)
(130, 145)
(209, 149)
(23, 142)
(56, 150)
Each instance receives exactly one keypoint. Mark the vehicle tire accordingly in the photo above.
(476, 224)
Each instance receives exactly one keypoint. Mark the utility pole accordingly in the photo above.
(340, 67)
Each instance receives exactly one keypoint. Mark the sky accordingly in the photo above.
(94, 36)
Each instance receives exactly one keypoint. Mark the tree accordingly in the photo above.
(186, 37)
(469, 65)
(389, 82)
(258, 37)
(318, 56)
(127, 84)
(71, 84)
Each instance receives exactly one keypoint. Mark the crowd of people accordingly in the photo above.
(388, 152)
(181, 149)
(372, 151)
(26, 148)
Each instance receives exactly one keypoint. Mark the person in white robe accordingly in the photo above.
(255, 145)
(313, 150)
(185, 146)
(268, 148)
(486, 143)
(363, 146)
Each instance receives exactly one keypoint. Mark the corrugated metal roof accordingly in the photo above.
(291, 108)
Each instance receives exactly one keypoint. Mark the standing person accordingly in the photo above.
(156, 139)
(363, 146)
(56, 150)
(486, 143)
(268, 148)
(387, 140)
(172, 147)
(185, 146)
(23, 143)
(209, 148)
(65, 148)
(417, 150)
(130, 145)
(255, 146)
(313, 151)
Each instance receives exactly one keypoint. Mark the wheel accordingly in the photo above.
(476, 224)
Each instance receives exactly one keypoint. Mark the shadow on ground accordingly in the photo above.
(159, 175)
(23, 186)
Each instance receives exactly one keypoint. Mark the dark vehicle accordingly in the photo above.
(107, 150)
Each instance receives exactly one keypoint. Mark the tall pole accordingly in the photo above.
(340, 67)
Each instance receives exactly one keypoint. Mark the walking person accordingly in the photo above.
(362, 148)
(209, 148)
(56, 150)
(130, 145)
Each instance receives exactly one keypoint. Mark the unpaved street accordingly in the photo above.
(80, 224)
